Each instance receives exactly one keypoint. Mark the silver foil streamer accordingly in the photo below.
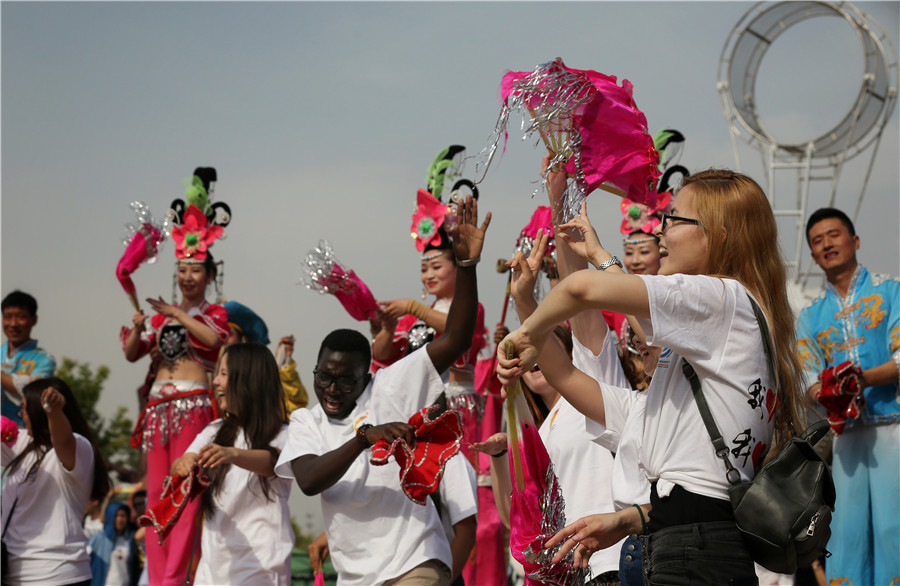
(562, 573)
(318, 272)
(144, 216)
(557, 94)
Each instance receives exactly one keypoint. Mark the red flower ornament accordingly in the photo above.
(428, 218)
(194, 236)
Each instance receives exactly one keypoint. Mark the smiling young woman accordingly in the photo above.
(720, 250)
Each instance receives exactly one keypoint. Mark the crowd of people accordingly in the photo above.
(225, 420)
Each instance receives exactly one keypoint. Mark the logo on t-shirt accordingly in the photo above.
(665, 358)
(360, 420)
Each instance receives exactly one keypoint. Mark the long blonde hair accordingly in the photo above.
(740, 227)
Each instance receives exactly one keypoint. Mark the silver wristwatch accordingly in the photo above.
(612, 261)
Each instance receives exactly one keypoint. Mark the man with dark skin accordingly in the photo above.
(376, 535)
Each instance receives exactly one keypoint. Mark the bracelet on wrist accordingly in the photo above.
(499, 454)
(361, 436)
(613, 260)
(643, 522)
(469, 262)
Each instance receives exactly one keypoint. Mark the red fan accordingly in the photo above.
(324, 273)
(141, 245)
(421, 469)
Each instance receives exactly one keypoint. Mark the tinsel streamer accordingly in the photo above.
(589, 125)
(324, 273)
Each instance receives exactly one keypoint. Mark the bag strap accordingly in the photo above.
(767, 346)
(733, 476)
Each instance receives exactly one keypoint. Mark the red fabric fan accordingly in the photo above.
(144, 245)
(178, 491)
(323, 273)
(437, 440)
(841, 394)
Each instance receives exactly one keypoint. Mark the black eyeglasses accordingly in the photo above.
(666, 218)
(345, 384)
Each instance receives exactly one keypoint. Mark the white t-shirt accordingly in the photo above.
(584, 470)
(709, 321)
(459, 493)
(249, 538)
(45, 537)
(624, 411)
(375, 533)
(117, 572)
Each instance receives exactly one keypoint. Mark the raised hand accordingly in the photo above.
(160, 306)
(525, 270)
(589, 247)
(556, 183)
(469, 238)
(52, 400)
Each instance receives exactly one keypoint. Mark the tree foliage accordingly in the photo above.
(113, 436)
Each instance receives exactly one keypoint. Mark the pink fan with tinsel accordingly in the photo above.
(538, 510)
(589, 124)
(141, 245)
(324, 273)
(421, 468)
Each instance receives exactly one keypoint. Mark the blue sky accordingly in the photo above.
(322, 119)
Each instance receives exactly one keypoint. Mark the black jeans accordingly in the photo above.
(700, 553)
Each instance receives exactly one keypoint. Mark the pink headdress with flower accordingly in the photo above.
(195, 235)
(541, 218)
(434, 220)
(642, 217)
(199, 222)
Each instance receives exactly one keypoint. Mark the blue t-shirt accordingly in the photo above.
(27, 364)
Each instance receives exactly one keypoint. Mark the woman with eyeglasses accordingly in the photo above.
(247, 536)
(719, 248)
(51, 473)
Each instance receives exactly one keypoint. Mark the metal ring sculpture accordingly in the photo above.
(747, 45)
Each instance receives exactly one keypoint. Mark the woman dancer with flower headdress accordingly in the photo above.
(188, 336)
(406, 324)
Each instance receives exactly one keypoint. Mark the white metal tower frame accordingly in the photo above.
(821, 158)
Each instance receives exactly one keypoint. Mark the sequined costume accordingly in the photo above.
(412, 333)
(864, 328)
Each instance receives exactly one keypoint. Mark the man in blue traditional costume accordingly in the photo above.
(849, 339)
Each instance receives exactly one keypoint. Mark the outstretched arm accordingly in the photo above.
(467, 244)
(578, 388)
(581, 291)
(317, 473)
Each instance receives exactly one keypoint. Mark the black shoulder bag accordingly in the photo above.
(784, 513)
